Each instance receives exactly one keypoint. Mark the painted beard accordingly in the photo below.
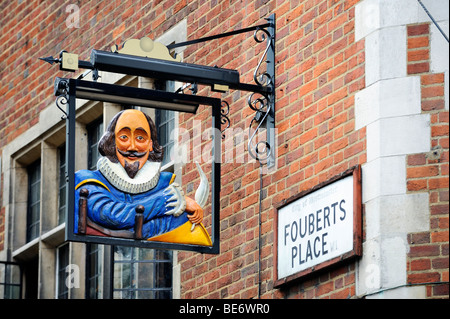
(131, 169)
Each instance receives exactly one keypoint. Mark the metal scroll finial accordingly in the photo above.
(50, 60)
(62, 96)
(224, 119)
(263, 79)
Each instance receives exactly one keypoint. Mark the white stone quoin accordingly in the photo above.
(390, 109)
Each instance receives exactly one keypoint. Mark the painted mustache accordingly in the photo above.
(131, 153)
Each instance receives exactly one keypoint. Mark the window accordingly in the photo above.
(165, 124)
(94, 271)
(94, 251)
(142, 273)
(62, 184)
(31, 274)
(95, 132)
(10, 280)
(34, 200)
(62, 263)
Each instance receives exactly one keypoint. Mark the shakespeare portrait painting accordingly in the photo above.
(128, 196)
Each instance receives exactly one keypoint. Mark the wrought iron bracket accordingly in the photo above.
(264, 105)
(261, 100)
(62, 96)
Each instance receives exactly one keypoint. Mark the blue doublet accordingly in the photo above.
(114, 209)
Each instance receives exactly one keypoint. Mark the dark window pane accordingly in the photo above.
(34, 200)
(142, 273)
(62, 184)
(63, 262)
(95, 131)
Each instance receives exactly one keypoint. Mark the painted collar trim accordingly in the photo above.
(146, 178)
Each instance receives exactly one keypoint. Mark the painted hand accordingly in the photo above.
(195, 212)
(175, 200)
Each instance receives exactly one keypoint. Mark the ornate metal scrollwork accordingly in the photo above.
(224, 119)
(262, 150)
(62, 92)
(263, 79)
(262, 104)
(61, 101)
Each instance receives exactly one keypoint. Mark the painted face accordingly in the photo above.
(133, 140)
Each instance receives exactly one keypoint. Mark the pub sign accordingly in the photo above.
(128, 200)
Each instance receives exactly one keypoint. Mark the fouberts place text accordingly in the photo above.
(312, 228)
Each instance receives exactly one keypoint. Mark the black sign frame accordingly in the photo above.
(67, 90)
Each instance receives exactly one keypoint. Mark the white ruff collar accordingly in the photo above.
(146, 178)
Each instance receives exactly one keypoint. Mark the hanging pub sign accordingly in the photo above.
(129, 197)
(319, 227)
(128, 200)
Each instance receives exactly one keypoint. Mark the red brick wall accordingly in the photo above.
(428, 256)
(319, 68)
